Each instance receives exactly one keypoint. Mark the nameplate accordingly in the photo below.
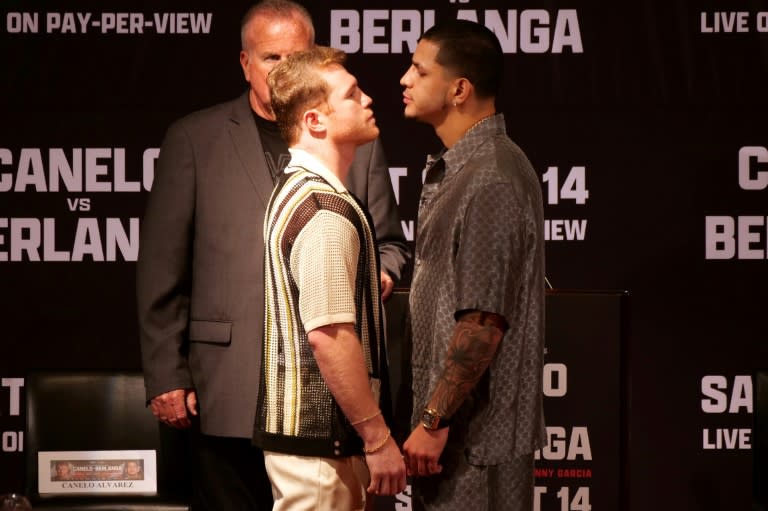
(97, 472)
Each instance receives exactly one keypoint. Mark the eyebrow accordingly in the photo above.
(351, 87)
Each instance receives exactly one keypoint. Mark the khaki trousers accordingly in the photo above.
(303, 483)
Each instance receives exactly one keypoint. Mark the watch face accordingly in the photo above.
(429, 418)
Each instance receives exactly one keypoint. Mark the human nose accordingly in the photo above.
(405, 79)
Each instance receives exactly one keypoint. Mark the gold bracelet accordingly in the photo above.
(365, 419)
(380, 445)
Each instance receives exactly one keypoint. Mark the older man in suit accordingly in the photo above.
(200, 282)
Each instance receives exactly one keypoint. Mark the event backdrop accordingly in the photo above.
(647, 122)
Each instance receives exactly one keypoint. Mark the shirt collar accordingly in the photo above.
(301, 159)
(462, 151)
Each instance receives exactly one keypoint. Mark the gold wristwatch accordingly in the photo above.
(431, 420)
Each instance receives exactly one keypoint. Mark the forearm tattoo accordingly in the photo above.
(472, 347)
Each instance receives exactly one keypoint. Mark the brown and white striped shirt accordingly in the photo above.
(321, 267)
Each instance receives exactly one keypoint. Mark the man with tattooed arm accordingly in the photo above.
(477, 294)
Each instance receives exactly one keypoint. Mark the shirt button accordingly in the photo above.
(337, 452)
(336, 443)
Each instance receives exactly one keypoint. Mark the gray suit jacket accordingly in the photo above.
(200, 282)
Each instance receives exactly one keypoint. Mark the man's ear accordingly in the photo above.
(314, 120)
(462, 88)
(244, 60)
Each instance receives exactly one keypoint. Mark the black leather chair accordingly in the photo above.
(101, 411)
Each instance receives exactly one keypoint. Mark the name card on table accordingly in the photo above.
(97, 472)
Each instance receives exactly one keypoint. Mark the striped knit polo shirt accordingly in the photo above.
(321, 268)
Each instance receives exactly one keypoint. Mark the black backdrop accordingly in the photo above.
(656, 109)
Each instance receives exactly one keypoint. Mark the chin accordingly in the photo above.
(370, 138)
(410, 114)
(365, 136)
(371, 133)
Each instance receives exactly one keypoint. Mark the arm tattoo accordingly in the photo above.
(471, 350)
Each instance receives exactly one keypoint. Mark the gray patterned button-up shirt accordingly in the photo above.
(480, 246)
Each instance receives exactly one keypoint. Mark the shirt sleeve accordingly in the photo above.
(324, 262)
(491, 250)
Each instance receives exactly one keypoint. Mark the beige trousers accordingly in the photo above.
(303, 483)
